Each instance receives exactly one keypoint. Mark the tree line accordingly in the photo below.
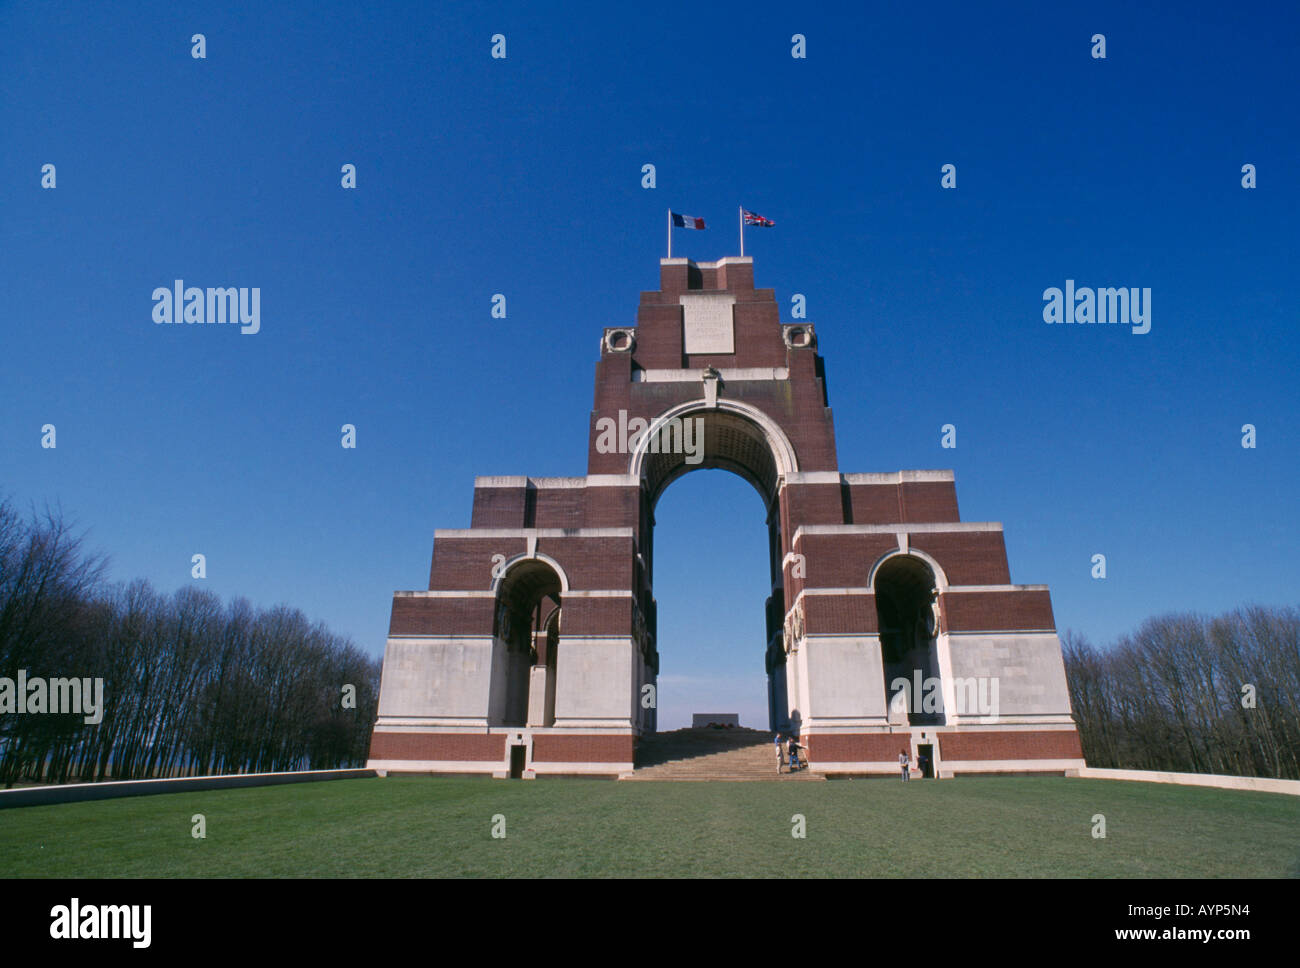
(191, 686)
(1193, 694)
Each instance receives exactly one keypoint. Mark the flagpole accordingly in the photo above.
(670, 233)
(742, 231)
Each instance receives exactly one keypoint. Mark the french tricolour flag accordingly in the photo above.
(687, 221)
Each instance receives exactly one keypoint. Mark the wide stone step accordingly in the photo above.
(803, 776)
(728, 756)
(757, 774)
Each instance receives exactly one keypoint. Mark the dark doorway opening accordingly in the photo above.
(518, 757)
(925, 756)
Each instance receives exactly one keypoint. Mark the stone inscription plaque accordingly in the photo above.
(707, 318)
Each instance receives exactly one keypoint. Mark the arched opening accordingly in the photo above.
(723, 434)
(526, 631)
(728, 643)
(907, 612)
(547, 657)
(710, 584)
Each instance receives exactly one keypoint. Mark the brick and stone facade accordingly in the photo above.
(533, 647)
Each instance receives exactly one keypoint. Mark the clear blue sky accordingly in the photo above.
(522, 176)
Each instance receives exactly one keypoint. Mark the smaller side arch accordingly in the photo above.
(506, 566)
(906, 586)
(528, 595)
(940, 578)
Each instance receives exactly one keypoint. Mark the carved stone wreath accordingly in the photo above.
(794, 629)
(620, 340)
(798, 336)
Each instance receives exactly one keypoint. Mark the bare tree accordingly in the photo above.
(190, 685)
(1193, 694)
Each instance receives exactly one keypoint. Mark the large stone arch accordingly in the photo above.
(746, 441)
(737, 437)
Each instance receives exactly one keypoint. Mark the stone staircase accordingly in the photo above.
(711, 754)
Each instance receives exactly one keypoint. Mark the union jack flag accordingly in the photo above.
(752, 219)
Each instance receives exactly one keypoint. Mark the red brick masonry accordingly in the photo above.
(1059, 744)
(438, 746)
(551, 748)
(856, 747)
(1056, 744)
(441, 616)
(998, 611)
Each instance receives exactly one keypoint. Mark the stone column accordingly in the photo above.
(538, 687)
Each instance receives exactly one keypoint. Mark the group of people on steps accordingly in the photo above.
(788, 749)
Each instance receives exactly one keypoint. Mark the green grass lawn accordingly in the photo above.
(427, 827)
